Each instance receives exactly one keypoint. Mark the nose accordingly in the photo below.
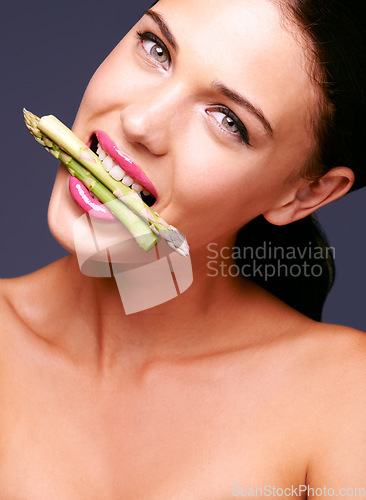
(152, 117)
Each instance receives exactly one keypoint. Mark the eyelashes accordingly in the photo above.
(158, 52)
(231, 123)
(155, 48)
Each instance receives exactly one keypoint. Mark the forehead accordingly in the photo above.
(245, 44)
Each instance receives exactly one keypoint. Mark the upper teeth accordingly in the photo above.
(118, 173)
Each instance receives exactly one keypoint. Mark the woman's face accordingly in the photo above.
(212, 100)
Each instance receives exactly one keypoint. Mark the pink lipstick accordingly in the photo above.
(90, 205)
(131, 169)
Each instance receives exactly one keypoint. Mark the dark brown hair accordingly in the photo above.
(334, 37)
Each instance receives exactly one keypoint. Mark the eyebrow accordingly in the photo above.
(217, 86)
(163, 27)
(243, 102)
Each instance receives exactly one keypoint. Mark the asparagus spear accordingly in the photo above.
(144, 237)
(49, 128)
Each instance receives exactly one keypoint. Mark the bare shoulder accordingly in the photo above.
(334, 357)
(12, 332)
(338, 346)
(12, 323)
(23, 300)
(337, 408)
(8, 289)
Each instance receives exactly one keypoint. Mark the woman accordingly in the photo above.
(226, 387)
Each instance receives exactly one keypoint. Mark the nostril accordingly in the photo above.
(146, 128)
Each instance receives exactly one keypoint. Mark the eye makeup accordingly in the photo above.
(158, 44)
(159, 54)
(240, 131)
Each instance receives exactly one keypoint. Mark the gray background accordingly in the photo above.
(49, 51)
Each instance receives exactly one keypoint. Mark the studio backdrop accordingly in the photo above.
(49, 52)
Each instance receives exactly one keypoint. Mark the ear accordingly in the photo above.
(310, 196)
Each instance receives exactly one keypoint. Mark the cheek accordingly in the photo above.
(115, 78)
(209, 173)
(217, 191)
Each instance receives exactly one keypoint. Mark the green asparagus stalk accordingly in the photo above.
(66, 140)
(142, 233)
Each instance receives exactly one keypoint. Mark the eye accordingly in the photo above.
(155, 48)
(231, 123)
(226, 121)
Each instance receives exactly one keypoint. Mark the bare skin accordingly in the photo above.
(224, 386)
(264, 398)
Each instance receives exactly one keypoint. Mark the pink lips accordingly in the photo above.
(91, 205)
(125, 162)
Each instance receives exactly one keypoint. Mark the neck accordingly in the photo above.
(184, 324)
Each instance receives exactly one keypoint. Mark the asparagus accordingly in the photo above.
(144, 237)
(49, 130)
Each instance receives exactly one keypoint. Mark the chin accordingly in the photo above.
(91, 240)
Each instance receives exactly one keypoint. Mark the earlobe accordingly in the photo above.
(311, 196)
